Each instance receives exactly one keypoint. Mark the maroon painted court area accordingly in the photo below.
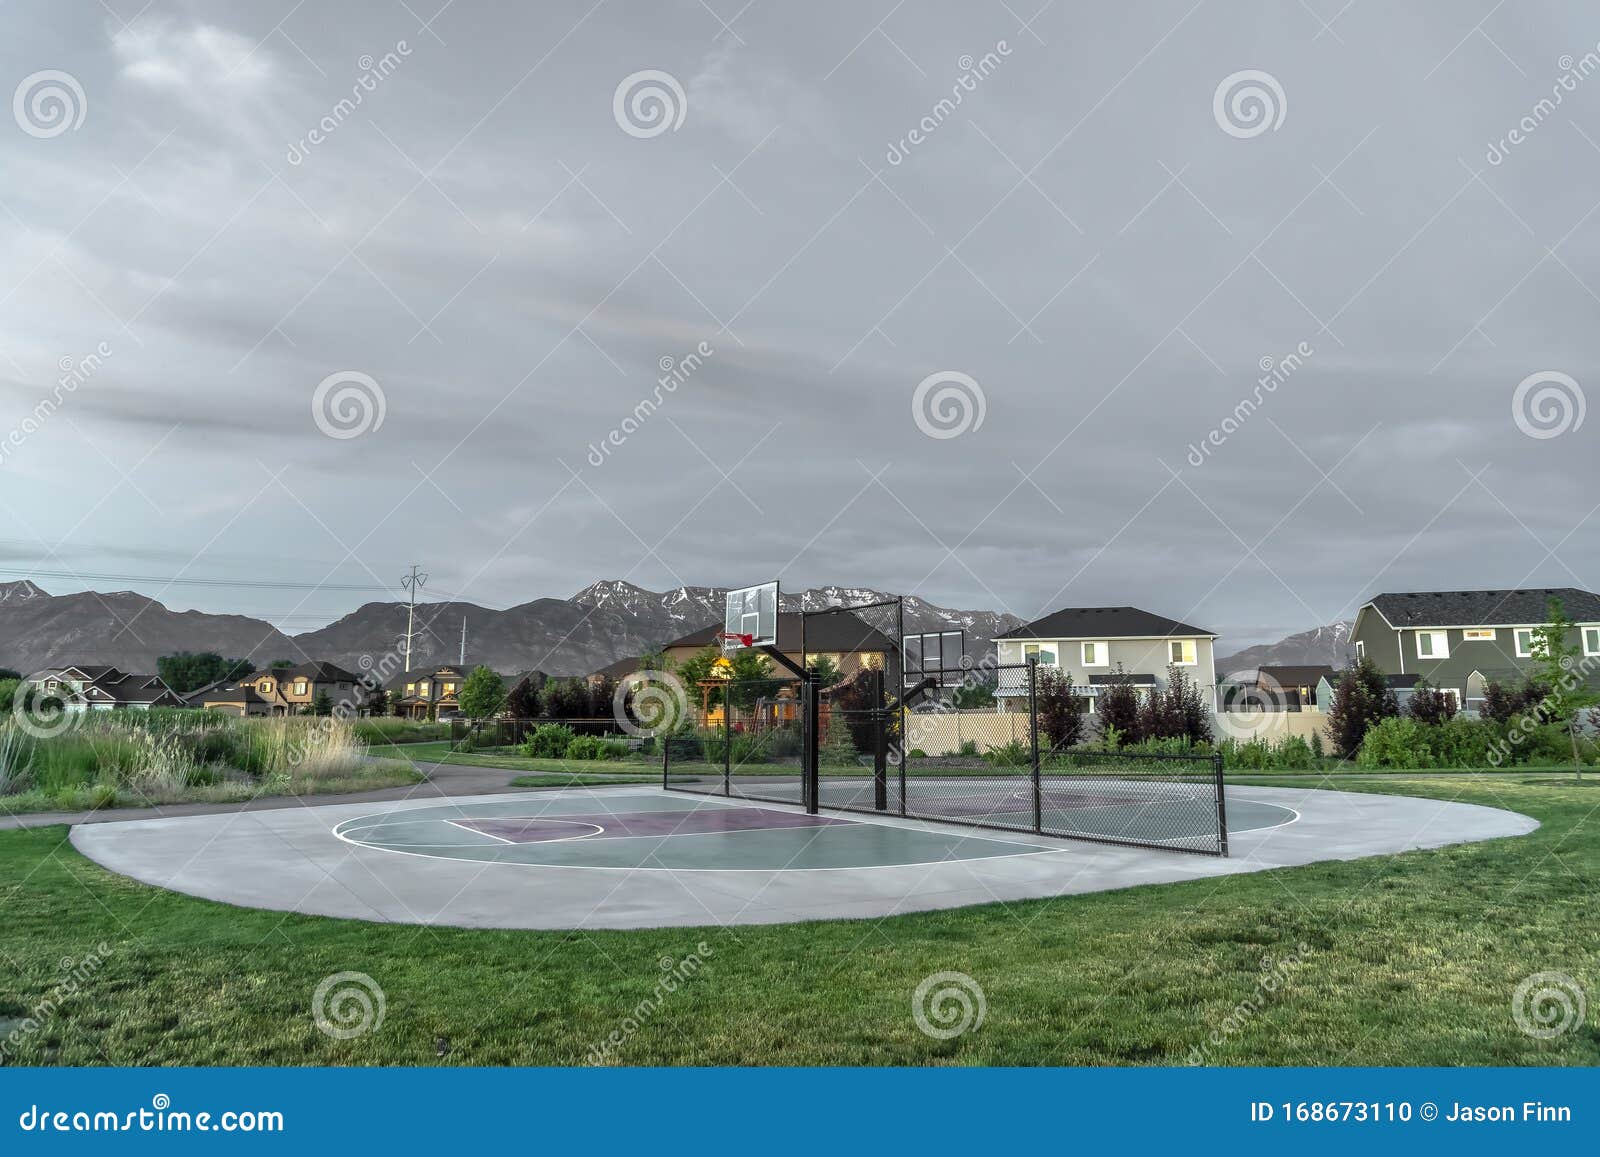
(701, 821)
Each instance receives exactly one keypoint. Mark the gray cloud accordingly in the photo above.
(1078, 235)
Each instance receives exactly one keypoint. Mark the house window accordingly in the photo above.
(1361, 650)
(1044, 652)
(449, 689)
(1481, 634)
(424, 686)
(266, 686)
(1591, 640)
(1523, 637)
(1182, 652)
(411, 688)
(1096, 654)
(299, 686)
(1433, 645)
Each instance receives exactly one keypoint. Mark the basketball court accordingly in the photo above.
(795, 803)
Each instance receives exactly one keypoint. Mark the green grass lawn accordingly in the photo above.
(1400, 960)
(506, 757)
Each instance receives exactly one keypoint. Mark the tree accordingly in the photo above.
(280, 664)
(972, 696)
(377, 700)
(1187, 708)
(1431, 705)
(1559, 666)
(827, 670)
(1363, 697)
(482, 694)
(522, 701)
(1059, 709)
(8, 694)
(322, 703)
(8, 673)
(838, 746)
(187, 671)
(1119, 709)
(567, 698)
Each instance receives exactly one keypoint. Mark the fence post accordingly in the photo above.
(1222, 808)
(727, 738)
(880, 735)
(666, 760)
(810, 787)
(1033, 743)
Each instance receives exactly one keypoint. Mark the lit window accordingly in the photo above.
(411, 688)
(1479, 634)
(1432, 645)
(1182, 652)
(1095, 654)
(300, 687)
(1523, 636)
(449, 689)
(424, 686)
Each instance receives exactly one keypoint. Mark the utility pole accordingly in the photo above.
(463, 660)
(411, 582)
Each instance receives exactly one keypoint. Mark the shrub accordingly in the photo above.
(1119, 710)
(1060, 709)
(968, 747)
(1012, 754)
(1399, 741)
(917, 753)
(1429, 705)
(547, 741)
(589, 747)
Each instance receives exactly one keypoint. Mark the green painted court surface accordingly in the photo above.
(654, 830)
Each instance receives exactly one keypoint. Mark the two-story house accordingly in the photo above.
(286, 691)
(1091, 643)
(98, 687)
(1461, 641)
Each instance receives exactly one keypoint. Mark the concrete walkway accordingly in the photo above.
(288, 859)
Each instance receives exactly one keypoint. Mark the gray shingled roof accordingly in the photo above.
(1526, 607)
(1105, 623)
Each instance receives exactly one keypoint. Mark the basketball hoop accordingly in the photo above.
(730, 637)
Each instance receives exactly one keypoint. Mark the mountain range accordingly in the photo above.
(1329, 645)
(603, 622)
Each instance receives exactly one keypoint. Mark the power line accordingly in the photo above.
(179, 581)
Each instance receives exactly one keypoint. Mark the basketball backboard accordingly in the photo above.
(751, 617)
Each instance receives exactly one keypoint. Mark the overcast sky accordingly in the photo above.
(500, 246)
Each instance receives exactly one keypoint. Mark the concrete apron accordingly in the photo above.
(289, 860)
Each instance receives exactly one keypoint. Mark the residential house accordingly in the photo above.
(433, 691)
(1092, 643)
(1403, 686)
(1277, 688)
(285, 691)
(97, 687)
(1461, 641)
